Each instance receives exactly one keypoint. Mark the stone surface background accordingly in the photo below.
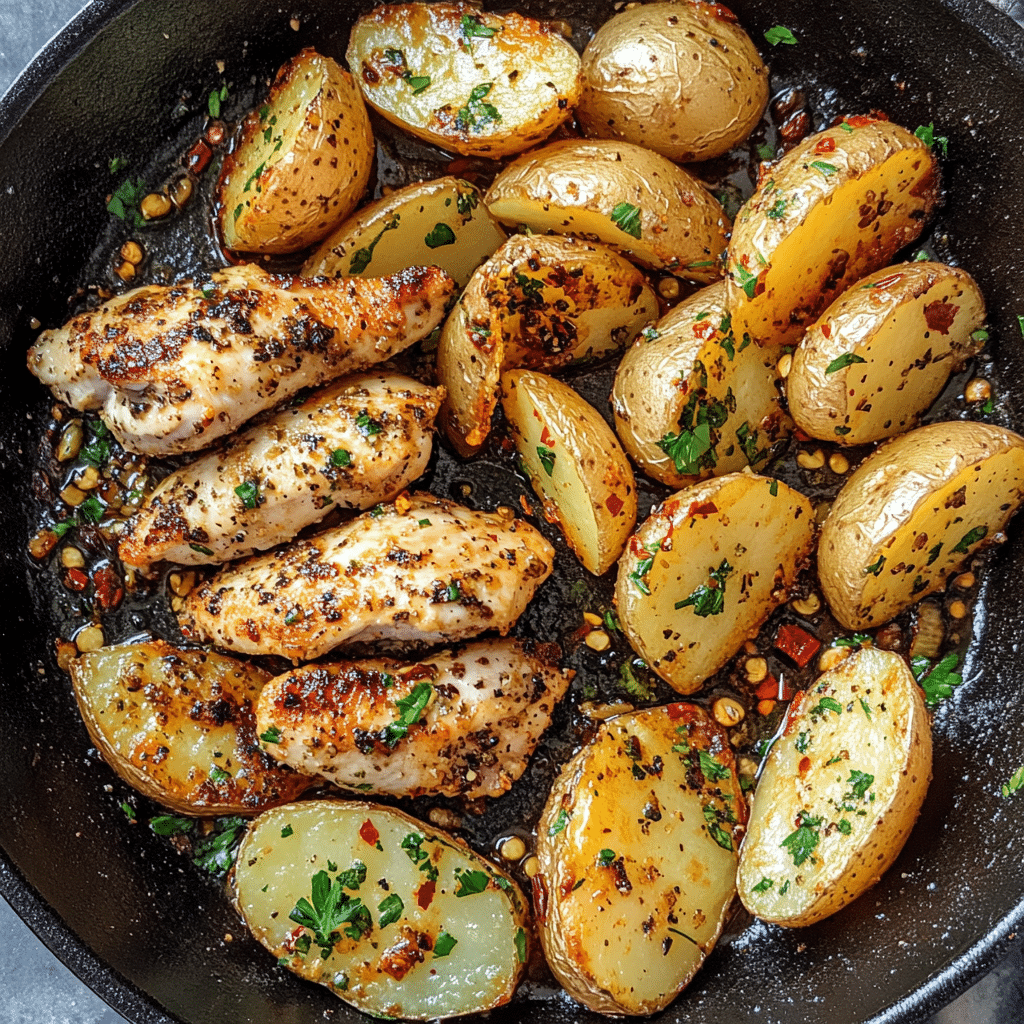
(35, 988)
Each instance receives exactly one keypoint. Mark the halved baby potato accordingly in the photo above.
(840, 791)
(883, 351)
(682, 79)
(441, 223)
(575, 464)
(471, 82)
(302, 163)
(180, 727)
(637, 849)
(391, 915)
(690, 401)
(630, 198)
(705, 570)
(913, 513)
(539, 302)
(836, 207)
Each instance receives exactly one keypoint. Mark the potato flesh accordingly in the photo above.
(676, 78)
(591, 189)
(840, 791)
(807, 233)
(909, 327)
(913, 513)
(687, 369)
(180, 726)
(538, 302)
(392, 969)
(441, 223)
(634, 884)
(575, 464)
(730, 532)
(289, 182)
(500, 89)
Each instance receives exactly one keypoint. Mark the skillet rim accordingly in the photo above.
(122, 995)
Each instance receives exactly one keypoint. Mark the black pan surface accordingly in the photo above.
(134, 918)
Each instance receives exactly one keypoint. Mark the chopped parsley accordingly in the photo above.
(272, 735)
(969, 538)
(826, 704)
(521, 945)
(558, 825)
(470, 882)
(330, 908)
(827, 169)
(440, 234)
(444, 944)
(876, 567)
(937, 682)
(124, 202)
(712, 770)
(763, 886)
(766, 151)
(626, 217)
(801, 843)
(218, 775)
(91, 510)
(474, 28)
(390, 909)
(413, 846)
(171, 825)
(350, 878)
(477, 114)
(215, 99)
(547, 459)
(780, 34)
(341, 457)
(215, 852)
(367, 426)
(692, 448)
(712, 818)
(249, 492)
(642, 689)
(97, 452)
(361, 257)
(203, 550)
(287, 831)
(410, 708)
(709, 598)
(841, 362)
(606, 858)
(1015, 783)
(859, 782)
(926, 133)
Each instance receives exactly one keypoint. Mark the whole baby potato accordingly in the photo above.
(682, 79)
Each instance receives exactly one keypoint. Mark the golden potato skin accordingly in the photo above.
(629, 198)
(575, 464)
(688, 388)
(302, 163)
(706, 568)
(912, 514)
(882, 352)
(840, 791)
(682, 79)
(637, 850)
(470, 82)
(180, 727)
(838, 206)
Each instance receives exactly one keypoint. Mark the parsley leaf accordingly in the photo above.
(361, 257)
(215, 852)
(780, 34)
(1015, 783)
(390, 908)
(926, 133)
(471, 882)
(330, 908)
(763, 886)
(547, 459)
(171, 825)
(626, 217)
(444, 944)
(803, 842)
(272, 735)
(841, 362)
(642, 689)
(440, 234)
(713, 770)
(410, 708)
(709, 598)
(249, 492)
(558, 825)
(476, 114)
(939, 682)
(969, 538)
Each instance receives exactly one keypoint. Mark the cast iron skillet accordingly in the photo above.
(131, 917)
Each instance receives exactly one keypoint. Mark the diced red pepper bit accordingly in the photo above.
(796, 643)
(425, 894)
(75, 579)
(614, 504)
(826, 329)
(826, 145)
(703, 508)
(546, 438)
(771, 689)
(765, 707)
(198, 158)
(368, 833)
(109, 592)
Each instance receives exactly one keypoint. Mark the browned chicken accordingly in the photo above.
(356, 443)
(172, 368)
(422, 569)
(458, 723)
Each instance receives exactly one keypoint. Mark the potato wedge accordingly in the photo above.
(180, 727)
(840, 792)
(539, 302)
(913, 513)
(441, 222)
(682, 79)
(836, 207)
(575, 464)
(473, 83)
(302, 163)
(630, 198)
(706, 568)
(391, 915)
(883, 351)
(637, 848)
(690, 402)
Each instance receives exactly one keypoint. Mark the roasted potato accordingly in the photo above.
(627, 197)
(539, 302)
(575, 464)
(180, 727)
(913, 513)
(690, 401)
(470, 82)
(637, 850)
(682, 79)
(441, 222)
(302, 163)
(840, 791)
(836, 207)
(413, 923)
(706, 568)
(883, 351)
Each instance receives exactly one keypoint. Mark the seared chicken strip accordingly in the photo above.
(458, 723)
(422, 569)
(356, 443)
(171, 369)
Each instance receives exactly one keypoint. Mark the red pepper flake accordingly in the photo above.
(804, 766)
(545, 438)
(614, 504)
(796, 643)
(940, 315)
(109, 591)
(826, 330)
(704, 329)
(676, 711)
(826, 145)
(703, 508)
(368, 833)
(863, 120)
(75, 579)
(425, 894)
(799, 435)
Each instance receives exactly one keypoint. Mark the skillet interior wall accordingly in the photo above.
(137, 905)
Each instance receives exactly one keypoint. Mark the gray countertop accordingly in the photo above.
(35, 988)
